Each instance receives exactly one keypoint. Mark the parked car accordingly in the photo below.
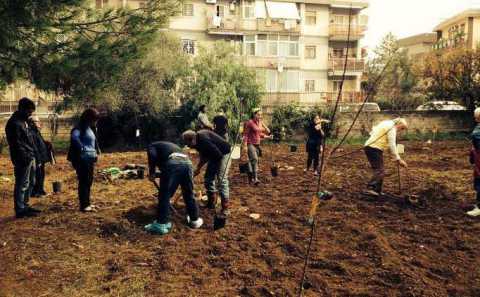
(441, 105)
(355, 107)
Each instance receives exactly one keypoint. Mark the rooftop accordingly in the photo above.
(416, 39)
(461, 16)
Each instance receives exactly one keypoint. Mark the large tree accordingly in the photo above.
(70, 47)
(454, 74)
(220, 81)
(398, 83)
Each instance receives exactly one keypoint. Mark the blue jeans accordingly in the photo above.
(176, 173)
(216, 176)
(24, 182)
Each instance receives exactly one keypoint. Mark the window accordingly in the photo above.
(309, 85)
(310, 52)
(250, 45)
(221, 10)
(188, 46)
(101, 3)
(272, 45)
(310, 18)
(271, 81)
(261, 45)
(289, 81)
(249, 9)
(187, 9)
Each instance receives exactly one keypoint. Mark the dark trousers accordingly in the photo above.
(38, 188)
(176, 173)
(24, 180)
(85, 180)
(476, 187)
(313, 151)
(375, 158)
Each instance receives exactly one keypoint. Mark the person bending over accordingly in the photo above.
(175, 170)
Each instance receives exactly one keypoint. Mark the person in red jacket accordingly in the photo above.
(254, 131)
(475, 161)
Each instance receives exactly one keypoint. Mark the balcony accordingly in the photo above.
(271, 63)
(354, 66)
(347, 97)
(339, 32)
(238, 26)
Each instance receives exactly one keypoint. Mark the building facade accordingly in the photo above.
(297, 48)
(418, 45)
(461, 30)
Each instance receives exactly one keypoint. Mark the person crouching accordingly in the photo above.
(175, 170)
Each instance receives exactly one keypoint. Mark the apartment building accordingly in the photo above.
(418, 45)
(461, 30)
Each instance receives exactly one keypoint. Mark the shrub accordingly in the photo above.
(291, 119)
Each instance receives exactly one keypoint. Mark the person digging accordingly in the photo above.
(382, 138)
(175, 170)
(214, 152)
(475, 161)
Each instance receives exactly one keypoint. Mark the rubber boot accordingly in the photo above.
(212, 200)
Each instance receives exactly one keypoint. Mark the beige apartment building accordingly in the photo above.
(297, 48)
(418, 45)
(460, 30)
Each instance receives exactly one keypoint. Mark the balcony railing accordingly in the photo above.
(237, 25)
(336, 65)
(340, 31)
(346, 97)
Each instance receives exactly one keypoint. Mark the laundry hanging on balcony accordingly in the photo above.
(282, 10)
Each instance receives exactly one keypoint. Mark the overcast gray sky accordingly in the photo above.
(409, 17)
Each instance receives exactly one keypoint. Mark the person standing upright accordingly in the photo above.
(254, 131)
(475, 161)
(382, 138)
(202, 119)
(83, 154)
(42, 156)
(220, 125)
(22, 155)
(314, 145)
(214, 151)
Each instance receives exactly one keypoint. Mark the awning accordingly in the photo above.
(282, 10)
(260, 11)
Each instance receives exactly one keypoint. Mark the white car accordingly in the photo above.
(441, 105)
(355, 107)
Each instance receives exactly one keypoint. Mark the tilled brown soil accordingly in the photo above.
(361, 248)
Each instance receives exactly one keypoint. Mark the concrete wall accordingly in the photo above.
(419, 122)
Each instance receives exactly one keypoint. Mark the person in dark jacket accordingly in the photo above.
(43, 155)
(314, 144)
(220, 125)
(83, 154)
(215, 152)
(22, 154)
(475, 161)
(175, 170)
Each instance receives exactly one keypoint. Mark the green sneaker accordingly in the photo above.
(157, 228)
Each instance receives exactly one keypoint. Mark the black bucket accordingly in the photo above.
(140, 173)
(243, 167)
(219, 222)
(274, 170)
(57, 187)
(293, 148)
